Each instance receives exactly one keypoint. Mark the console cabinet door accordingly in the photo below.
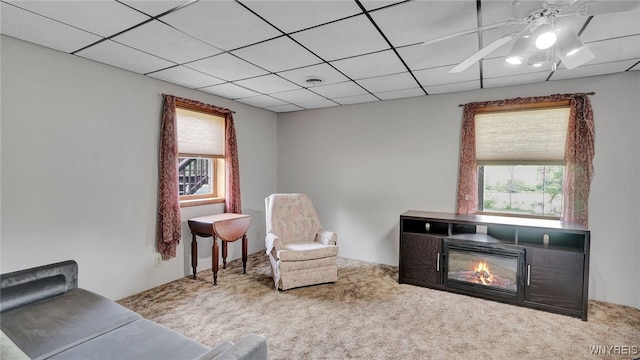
(554, 278)
(421, 259)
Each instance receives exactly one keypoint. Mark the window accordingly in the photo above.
(520, 156)
(201, 177)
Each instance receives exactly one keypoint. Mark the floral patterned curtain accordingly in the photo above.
(169, 230)
(468, 175)
(579, 153)
(232, 170)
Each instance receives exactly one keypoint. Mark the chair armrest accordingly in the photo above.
(272, 241)
(327, 237)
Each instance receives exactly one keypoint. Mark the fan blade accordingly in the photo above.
(471, 31)
(599, 7)
(482, 53)
(581, 57)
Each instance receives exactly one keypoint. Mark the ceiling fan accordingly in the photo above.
(542, 39)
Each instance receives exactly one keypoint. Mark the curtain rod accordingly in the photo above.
(233, 112)
(589, 93)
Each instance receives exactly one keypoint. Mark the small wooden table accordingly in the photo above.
(228, 227)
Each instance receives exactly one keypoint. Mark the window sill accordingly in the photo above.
(198, 202)
(525, 216)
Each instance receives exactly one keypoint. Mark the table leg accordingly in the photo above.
(214, 260)
(194, 254)
(224, 254)
(244, 253)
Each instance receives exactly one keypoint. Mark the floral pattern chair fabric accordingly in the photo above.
(300, 252)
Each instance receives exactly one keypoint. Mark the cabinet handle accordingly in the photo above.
(427, 227)
(528, 275)
(438, 263)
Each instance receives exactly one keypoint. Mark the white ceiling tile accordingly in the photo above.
(612, 25)
(262, 101)
(528, 78)
(154, 8)
(453, 87)
(440, 75)
(338, 90)
(224, 24)
(285, 108)
(42, 31)
(277, 55)
(496, 11)
(615, 49)
(417, 21)
(230, 91)
(268, 84)
(186, 77)
(290, 16)
(356, 99)
(441, 53)
(298, 96)
(270, 68)
(400, 94)
(593, 69)
(318, 104)
(163, 41)
(226, 66)
(389, 82)
(370, 65)
(341, 39)
(376, 4)
(104, 18)
(326, 73)
(124, 57)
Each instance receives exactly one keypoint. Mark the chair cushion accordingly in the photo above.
(306, 251)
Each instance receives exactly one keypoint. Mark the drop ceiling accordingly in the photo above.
(262, 53)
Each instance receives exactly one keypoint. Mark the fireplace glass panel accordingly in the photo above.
(493, 271)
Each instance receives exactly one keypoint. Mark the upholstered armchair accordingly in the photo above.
(300, 252)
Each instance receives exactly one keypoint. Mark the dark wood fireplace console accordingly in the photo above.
(553, 274)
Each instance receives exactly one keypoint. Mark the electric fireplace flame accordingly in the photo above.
(483, 269)
(482, 274)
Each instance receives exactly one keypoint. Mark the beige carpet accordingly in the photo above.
(368, 315)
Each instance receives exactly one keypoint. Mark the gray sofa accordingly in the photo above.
(44, 315)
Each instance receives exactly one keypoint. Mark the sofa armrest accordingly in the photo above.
(327, 237)
(250, 347)
(26, 286)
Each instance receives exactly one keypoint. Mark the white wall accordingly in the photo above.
(363, 165)
(79, 150)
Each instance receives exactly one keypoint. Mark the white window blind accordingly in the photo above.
(200, 133)
(522, 137)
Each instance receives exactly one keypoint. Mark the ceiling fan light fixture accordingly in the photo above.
(569, 44)
(518, 50)
(546, 37)
(538, 59)
(514, 60)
